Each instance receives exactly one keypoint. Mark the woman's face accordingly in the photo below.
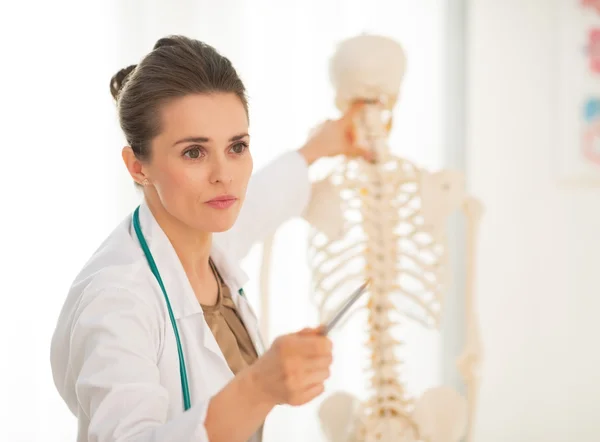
(200, 164)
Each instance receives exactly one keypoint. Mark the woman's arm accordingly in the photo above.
(281, 190)
(278, 192)
(112, 357)
(237, 411)
(113, 361)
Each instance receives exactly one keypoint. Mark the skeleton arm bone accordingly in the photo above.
(469, 361)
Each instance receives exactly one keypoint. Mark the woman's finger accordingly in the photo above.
(315, 377)
(309, 394)
(314, 346)
(352, 111)
(319, 363)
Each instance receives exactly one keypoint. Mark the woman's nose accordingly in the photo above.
(221, 171)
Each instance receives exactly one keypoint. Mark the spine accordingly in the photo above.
(389, 399)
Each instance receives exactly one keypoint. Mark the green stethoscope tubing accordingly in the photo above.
(185, 389)
(182, 370)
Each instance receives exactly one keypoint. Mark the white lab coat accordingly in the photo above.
(114, 355)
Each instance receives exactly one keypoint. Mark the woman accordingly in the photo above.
(129, 364)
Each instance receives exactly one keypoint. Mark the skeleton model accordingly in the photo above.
(386, 221)
(389, 226)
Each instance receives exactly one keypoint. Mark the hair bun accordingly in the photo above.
(172, 40)
(119, 79)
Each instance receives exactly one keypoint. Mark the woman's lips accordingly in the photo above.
(222, 202)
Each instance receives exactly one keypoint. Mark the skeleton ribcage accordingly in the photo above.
(384, 238)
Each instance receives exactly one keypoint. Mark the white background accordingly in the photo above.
(64, 187)
(540, 242)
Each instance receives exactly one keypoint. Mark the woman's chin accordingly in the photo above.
(221, 228)
(215, 221)
(219, 224)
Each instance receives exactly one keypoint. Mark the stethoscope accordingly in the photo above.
(182, 370)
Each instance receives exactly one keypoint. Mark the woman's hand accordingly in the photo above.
(294, 369)
(292, 372)
(335, 137)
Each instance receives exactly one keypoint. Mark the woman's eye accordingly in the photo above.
(193, 153)
(239, 148)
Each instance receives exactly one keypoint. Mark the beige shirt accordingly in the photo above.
(228, 329)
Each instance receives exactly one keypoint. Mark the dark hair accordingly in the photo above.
(177, 66)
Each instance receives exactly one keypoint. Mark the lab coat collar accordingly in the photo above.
(181, 295)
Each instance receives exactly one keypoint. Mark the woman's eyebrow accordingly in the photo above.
(206, 140)
(238, 137)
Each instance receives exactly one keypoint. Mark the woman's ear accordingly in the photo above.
(134, 166)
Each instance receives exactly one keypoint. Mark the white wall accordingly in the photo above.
(540, 243)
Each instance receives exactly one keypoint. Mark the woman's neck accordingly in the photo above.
(192, 247)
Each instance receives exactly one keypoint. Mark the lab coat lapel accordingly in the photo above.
(181, 295)
(250, 320)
